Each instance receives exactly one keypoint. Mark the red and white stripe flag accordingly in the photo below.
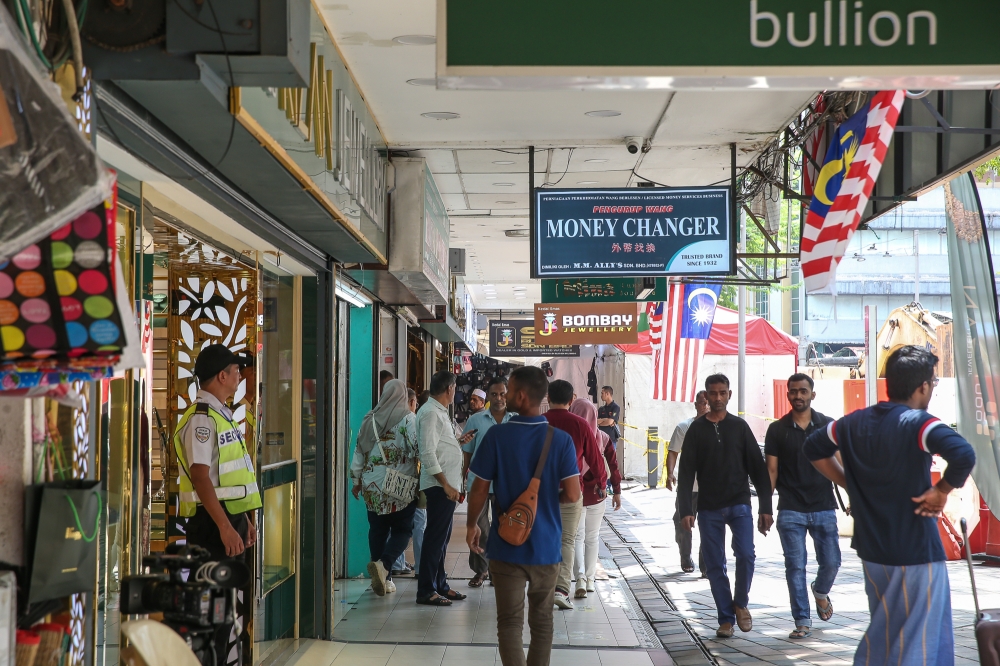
(844, 185)
(678, 332)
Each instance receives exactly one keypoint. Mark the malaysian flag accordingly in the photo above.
(844, 184)
(678, 331)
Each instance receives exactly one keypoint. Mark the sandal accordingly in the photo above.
(824, 613)
(434, 600)
(801, 632)
(477, 580)
(687, 566)
(454, 596)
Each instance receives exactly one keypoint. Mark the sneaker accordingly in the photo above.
(590, 585)
(724, 631)
(562, 600)
(581, 588)
(407, 570)
(377, 573)
(743, 619)
(390, 587)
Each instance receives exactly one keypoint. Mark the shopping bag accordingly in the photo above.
(62, 522)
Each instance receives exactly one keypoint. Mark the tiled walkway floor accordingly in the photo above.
(832, 642)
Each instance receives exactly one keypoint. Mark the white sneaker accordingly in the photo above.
(581, 588)
(590, 585)
(377, 573)
(562, 600)
(390, 587)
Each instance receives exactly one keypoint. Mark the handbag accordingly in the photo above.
(62, 522)
(396, 484)
(516, 522)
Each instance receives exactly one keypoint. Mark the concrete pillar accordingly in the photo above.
(15, 474)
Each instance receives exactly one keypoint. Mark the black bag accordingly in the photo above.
(61, 527)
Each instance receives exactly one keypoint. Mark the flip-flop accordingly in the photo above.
(436, 600)
(477, 580)
(800, 632)
(454, 596)
(824, 613)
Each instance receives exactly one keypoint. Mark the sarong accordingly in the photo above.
(910, 616)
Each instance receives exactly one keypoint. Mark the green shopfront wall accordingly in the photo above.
(361, 352)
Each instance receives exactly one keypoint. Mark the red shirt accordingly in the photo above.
(588, 451)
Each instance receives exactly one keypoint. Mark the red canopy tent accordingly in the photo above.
(763, 339)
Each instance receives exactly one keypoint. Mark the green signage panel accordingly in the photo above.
(599, 290)
(581, 34)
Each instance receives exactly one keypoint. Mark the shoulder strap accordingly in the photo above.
(201, 408)
(545, 452)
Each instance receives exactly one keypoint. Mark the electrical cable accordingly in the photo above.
(232, 80)
(565, 171)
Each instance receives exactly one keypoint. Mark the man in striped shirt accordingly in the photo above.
(887, 452)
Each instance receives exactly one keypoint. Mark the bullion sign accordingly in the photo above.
(587, 323)
(516, 337)
(632, 232)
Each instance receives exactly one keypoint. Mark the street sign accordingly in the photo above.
(587, 323)
(516, 337)
(622, 232)
(801, 44)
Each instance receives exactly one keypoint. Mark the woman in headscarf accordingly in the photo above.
(585, 561)
(386, 441)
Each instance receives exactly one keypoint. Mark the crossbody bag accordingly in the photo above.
(516, 522)
(396, 484)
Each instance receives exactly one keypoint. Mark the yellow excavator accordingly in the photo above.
(913, 325)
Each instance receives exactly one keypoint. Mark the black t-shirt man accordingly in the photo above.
(801, 487)
(609, 410)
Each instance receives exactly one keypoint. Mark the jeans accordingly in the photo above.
(440, 511)
(571, 515)
(585, 558)
(683, 537)
(479, 563)
(419, 524)
(822, 526)
(388, 535)
(712, 526)
(508, 586)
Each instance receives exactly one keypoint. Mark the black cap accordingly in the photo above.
(213, 359)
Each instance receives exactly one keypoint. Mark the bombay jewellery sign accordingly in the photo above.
(630, 232)
(587, 323)
(712, 41)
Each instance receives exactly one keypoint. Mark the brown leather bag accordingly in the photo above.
(516, 522)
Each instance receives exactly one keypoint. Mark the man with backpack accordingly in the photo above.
(509, 458)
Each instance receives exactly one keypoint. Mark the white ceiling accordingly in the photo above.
(690, 146)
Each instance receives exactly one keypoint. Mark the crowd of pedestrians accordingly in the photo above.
(537, 465)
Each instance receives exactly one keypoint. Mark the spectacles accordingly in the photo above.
(933, 382)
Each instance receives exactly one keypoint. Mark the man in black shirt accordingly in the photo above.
(720, 451)
(609, 414)
(805, 504)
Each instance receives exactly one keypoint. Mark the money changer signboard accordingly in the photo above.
(587, 323)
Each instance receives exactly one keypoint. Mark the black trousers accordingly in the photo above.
(683, 537)
(440, 512)
(202, 531)
(389, 534)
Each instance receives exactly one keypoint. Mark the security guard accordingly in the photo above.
(214, 466)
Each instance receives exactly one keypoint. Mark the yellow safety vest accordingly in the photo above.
(237, 481)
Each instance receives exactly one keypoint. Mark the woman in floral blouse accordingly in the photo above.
(386, 441)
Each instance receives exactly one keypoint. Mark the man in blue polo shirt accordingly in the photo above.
(507, 458)
(479, 424)
(887, 452)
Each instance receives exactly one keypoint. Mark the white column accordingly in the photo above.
(15, 474)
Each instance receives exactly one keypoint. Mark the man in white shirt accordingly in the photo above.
(681, 535)
(440, 479)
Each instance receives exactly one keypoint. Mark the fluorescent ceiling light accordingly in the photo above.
(503, 162)
(430, 83)
(503, 184)
(415, 40)
(506, 202)
(603, 113)
(517, 233)
(351, 295)
(587, 182)
(595, 161)
(441, 115)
